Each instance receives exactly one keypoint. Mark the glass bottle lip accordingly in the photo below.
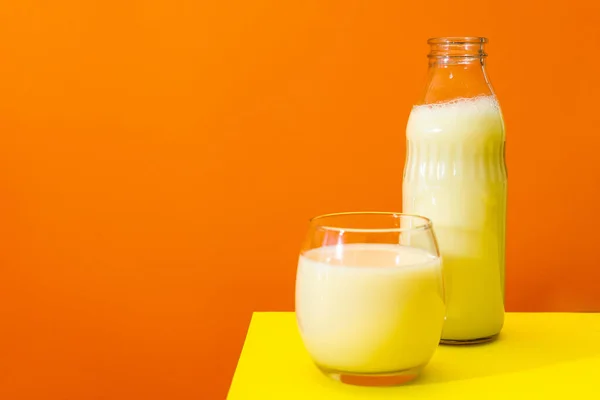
(458, 40)
(457, 49)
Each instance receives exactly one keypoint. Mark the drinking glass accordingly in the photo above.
(370, 296)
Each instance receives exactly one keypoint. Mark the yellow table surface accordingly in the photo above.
(538, 355)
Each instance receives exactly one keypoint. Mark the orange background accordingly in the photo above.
(159, 160)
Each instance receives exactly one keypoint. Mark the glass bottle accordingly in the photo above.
(455, 174)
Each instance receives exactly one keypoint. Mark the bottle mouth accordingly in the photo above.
(458, 40)
(457, 47)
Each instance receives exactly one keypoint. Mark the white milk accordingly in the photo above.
(455, 174)
(368, 308)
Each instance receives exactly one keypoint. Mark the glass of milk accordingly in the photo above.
(370, 296)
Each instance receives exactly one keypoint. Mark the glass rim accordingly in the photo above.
(427, 223)
(458, 40)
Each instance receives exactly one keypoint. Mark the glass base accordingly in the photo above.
(373, 379)
(469, 341)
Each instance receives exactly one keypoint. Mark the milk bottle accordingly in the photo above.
(455, 174)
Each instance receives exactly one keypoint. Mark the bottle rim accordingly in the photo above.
(458, 40)
(457, 49)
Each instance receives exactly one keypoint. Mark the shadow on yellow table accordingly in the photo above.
(538, 355)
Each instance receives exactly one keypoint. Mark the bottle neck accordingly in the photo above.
(456, 70)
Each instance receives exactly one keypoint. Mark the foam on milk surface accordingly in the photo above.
(459, 119)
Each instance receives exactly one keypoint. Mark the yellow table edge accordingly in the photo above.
(538, 355)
